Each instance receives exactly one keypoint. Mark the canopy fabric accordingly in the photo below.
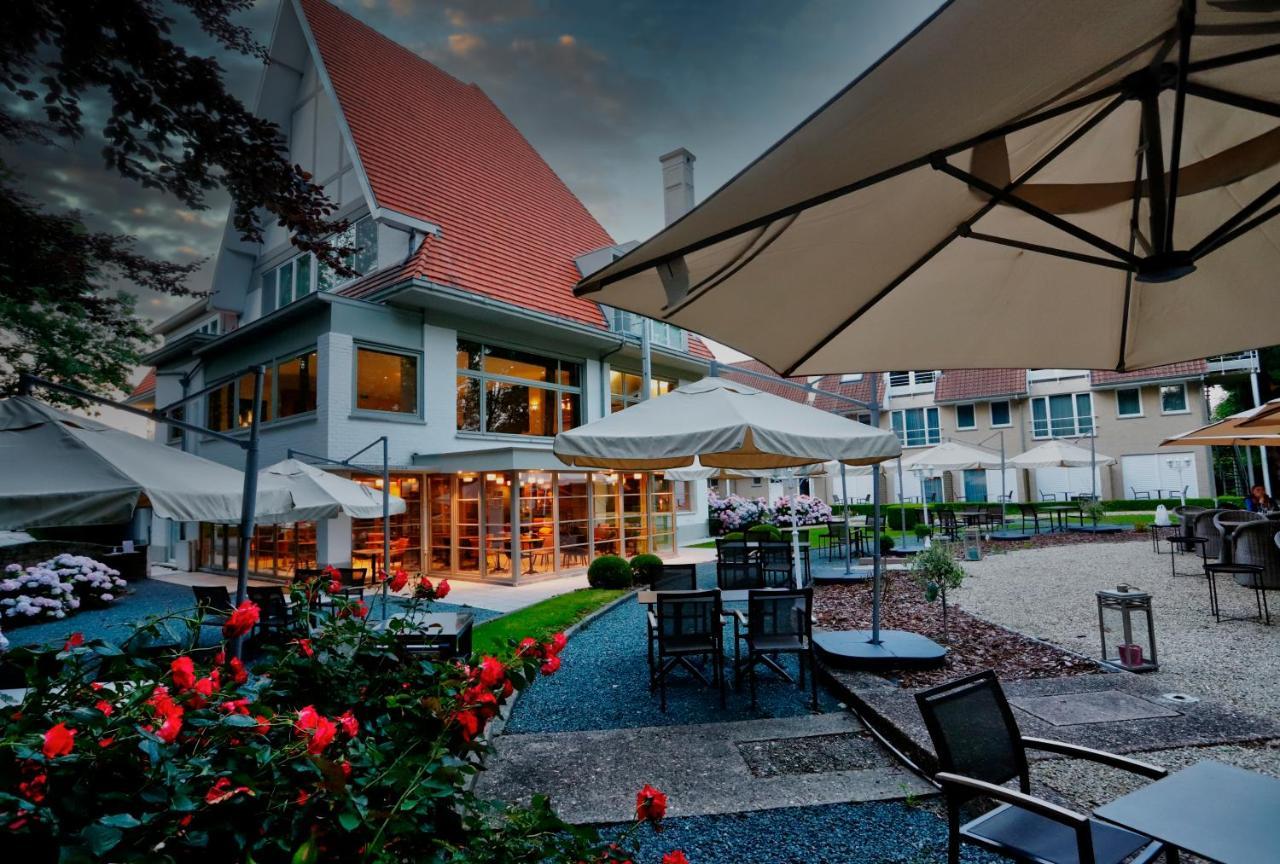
(1058, 454)
(698, 471)
(61, 469)
(724, 424)
(318, 494)
(950, 456)
(879, 211)
(1255, 427)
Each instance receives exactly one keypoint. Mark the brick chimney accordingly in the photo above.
(677, 183)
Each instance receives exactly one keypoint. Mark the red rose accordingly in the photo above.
(334, 586)
(468, 724)
(551, 666)
(359, 609)
(220, 657)
(304, 647)
(58, 741)
(169, 712)
(264, 725)
(349, 724)
(332, 571)
(241, 621)
(34, 789)
(651, 805)
(104, 706)
(528, 645)
(318, 729)
(169, 729)
(184, 673)
(222, 790)
(557, 643)
(107, 742)
(675, 857)
(238, 673)
(398, 581)
(75, 640)
(492, 672)
(205, 688)
(442, 590)
(507, 689)
(303, 797)
(346, 769)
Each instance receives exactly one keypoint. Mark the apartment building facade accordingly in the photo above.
(458, 339)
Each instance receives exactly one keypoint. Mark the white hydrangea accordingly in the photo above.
(55, 588)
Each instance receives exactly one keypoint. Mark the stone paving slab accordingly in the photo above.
(592, 777)
(1111, 712)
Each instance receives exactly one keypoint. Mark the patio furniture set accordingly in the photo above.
(1232, 544)
(686, 628)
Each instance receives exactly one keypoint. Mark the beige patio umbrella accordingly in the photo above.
(1255, 427)
(1060, 454)
(1092, 181)
(319, 494)
(698, 471)
(947, 456)
(62, 469)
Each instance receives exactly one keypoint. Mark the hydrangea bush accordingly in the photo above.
(54, 589)
(332, 746)
(736, 513)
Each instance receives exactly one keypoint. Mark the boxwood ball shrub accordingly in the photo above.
(764, 532)
(646, 568)
(735, 535)
(609, 571)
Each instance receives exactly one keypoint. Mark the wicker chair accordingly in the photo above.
(1227, 521)
(1203, 526)
(980, 748)
(1186, 519)
(685, 626)
(776, 622)
(1258, 544)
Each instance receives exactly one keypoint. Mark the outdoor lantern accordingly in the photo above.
(973, 544)
(1125, 614)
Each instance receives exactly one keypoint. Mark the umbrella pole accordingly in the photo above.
(875, 511)
(250, 499)
(386, 525)
(797, 577)
(1093, 466)
(844, 494)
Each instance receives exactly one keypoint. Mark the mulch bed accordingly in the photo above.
(974, 644)
(1069, 538)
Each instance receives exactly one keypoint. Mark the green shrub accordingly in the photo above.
(922, 531)
(646, 568)
(609, 571)
(764, 532)
(735, 535)
(886, 544)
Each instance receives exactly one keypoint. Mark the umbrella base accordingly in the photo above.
(1011, 535)
(1096, 529)
(898, 649)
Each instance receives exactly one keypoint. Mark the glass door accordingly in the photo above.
(635, 522)
(440, 526)
(975, 485)
(469, 525)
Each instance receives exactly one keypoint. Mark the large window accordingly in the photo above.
(386, 381)
(288, 389)
(511, 392)
(1063, 416)
(966, 418)
(1173, 399)
(912, 379)
(625, 389)
(685, 497)
(660, 332)
(1000, 414)
(1129, 402)
(298, 277)
(917, 427)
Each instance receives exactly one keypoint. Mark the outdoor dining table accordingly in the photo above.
(648, 598)
(973, 517)
(1059, 513)
(1216, 811)
(445, 634)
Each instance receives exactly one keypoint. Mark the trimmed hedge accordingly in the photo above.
(763, 532)
(609, 571)
(646, 568)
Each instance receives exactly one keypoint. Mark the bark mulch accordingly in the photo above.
(974, 644)
(1068, 538)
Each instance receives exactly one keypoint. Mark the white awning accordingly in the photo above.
(318, 494)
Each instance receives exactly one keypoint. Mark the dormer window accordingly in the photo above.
(300, 276)
(661, 333)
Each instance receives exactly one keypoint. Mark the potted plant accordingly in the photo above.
(935, 570)
(1094, 510)
(922, 531)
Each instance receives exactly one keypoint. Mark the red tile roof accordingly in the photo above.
(773, 383)
(145, 386)
(1173, 371)
(962, 385)
(438, 149)
(859, 389)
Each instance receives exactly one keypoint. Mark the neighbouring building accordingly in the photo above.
(459, 340)
(1128, 414)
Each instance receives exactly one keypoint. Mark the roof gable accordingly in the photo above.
(962, 385)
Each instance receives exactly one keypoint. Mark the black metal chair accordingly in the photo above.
(994, 520)
(677, 577)
(777, 569)
(682, 627)
(1186, 521)
(734, 551)
(274, 616)
(948, 524)
(776, 622)
(1029, 511)
(836, 539)
(738, 575)
(1140, 496)
(979, 749)
(1255, 558)
(213, 604)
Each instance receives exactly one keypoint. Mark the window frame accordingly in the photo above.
(929, 441)
(973, 416)
(991, 413)
(275, 377)
(1121, 415)
(485, 377)
(313, 276)
(272, 380)
(628, 401)
(419, 381)
(1186, 398)
(1077, 431)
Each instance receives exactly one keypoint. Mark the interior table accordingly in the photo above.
(1213, 810)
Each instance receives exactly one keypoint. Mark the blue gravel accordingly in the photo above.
(151, 597)
(604, 684)
(871, 833)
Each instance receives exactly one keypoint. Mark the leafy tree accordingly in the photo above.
(169, 124)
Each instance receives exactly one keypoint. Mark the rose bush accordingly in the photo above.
(334, 746)
(54, 589)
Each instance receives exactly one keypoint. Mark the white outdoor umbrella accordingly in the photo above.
(318, 494)
(62, 469)
(1090, 180)
(698, 471)
(1060, 454)
(948, 456)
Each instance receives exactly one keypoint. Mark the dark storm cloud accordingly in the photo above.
(600, 89)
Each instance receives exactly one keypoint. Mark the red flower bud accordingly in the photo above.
(241, 621)
(651, 805)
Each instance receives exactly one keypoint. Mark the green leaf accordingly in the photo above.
(101, 838)
(239, 720)
(348, 819)
(307, 853)
(120, 820)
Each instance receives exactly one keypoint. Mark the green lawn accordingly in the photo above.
(541, 620)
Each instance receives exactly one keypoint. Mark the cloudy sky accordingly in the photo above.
(600, 89)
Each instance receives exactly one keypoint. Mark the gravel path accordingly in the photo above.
(604, 684)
